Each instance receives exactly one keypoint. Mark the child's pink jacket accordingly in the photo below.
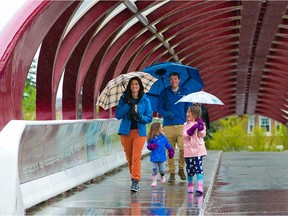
(194, 145)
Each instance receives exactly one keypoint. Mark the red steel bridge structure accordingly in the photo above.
(239, 47)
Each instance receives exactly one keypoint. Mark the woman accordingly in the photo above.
(135, 110)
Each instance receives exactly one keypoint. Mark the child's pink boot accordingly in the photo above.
(163, 179)
(154, 181)
(200, 189)
(190, 188)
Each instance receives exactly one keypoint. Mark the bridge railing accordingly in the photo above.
(41, 159)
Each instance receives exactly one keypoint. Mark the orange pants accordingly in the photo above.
(133, 145)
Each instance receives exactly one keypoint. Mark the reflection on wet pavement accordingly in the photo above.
(246, 183)
(250, 184)
(111, 195)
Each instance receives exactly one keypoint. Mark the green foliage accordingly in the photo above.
(29, 103)
(260, 141)
(29, 96)
(278, 138)
(283, 137)
(31, 77)
(230, 134)
(257, 139)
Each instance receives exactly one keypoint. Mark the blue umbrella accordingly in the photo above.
(189, 77)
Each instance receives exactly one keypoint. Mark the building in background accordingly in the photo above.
(264, 122)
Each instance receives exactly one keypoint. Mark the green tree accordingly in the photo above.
(284, 137)
(257, 139)
(29, 95)
(261, 141)
(231, 134)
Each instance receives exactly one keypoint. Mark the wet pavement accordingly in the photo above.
(246, 183)
(250, 184)
(110, 195)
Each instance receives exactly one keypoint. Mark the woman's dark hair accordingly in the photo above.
(128, 88)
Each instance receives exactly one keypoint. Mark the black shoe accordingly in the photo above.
(135, 185)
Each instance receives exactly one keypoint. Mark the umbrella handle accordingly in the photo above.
(123, 86)
(166, 97)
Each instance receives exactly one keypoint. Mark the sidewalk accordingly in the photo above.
(247, 183)
(250, 183)
(110, 195)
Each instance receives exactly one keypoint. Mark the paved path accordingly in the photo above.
(250, 184)
(246, 183)
(110, 195)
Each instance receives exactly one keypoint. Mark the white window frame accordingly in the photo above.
(261, 121)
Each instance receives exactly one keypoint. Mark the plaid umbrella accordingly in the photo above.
(111, 94)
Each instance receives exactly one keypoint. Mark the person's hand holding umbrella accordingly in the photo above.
(134, 115)
(200, 124)
(191, 130)
(128, 100)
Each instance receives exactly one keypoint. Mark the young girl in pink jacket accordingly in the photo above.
(194, 130)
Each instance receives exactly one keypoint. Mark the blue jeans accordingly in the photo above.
(158, 166)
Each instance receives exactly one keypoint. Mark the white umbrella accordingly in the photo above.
(201, 97)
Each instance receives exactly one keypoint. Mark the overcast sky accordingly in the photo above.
(7, 9)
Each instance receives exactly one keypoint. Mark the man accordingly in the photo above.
(174, 116)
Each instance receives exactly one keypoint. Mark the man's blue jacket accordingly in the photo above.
(166, 105)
